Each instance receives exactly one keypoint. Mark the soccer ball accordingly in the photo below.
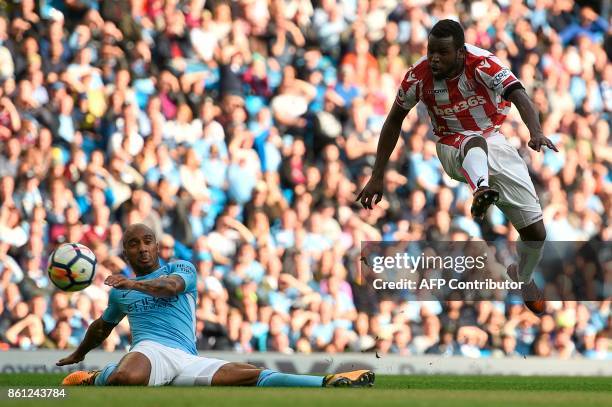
(72, 267)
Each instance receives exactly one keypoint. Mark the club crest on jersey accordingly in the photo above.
(470, 85)
(410, 77)
(485, 64)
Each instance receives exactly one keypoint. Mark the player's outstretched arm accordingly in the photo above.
(158, 287)
(388, 139)
(97, 332)
(529, 114)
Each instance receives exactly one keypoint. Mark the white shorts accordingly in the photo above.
(508, 175)
(176, 367)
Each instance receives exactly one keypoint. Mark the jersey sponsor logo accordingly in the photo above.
(184, 267)
(150, 303)
(500, 77)
(472, 101)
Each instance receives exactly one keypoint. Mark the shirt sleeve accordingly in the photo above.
(187, 272)
(407, 96)
(113, 314)
(496, 76)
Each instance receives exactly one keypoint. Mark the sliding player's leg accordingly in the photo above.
(215, 372)
(355, 378)
(153, 364)
(243, 374)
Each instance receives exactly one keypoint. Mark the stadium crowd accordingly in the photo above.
(241, 131)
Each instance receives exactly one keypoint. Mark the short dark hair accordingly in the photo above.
(449, 28)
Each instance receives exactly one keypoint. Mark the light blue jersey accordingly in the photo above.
(168, 321)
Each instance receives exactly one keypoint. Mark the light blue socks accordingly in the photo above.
(104, 374)
(270, 378)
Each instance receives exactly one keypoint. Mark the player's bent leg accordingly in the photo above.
(134, 369)
(475, 169)
(475, 163)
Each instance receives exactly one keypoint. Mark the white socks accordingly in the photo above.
(476, 168)
(530, 254)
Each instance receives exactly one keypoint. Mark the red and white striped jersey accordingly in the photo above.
(467, 104)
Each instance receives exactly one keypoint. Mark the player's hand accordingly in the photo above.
(540, 140)
(373, 188)
(70, 360)
(120, 282)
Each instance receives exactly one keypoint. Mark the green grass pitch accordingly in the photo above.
(410, 391)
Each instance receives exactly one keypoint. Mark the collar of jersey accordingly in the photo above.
(456, 76)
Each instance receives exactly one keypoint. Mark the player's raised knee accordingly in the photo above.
(476, 141)
(534, 233)
(540, 234)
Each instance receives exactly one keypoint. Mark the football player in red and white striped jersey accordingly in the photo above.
(468, 92)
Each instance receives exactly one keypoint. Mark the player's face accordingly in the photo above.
(444, 59)
(140, 249)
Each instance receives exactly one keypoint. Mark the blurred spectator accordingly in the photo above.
(447, 346)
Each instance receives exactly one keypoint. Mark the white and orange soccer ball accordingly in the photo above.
(72, 267)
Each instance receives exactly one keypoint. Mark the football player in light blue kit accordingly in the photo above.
(160, 305)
